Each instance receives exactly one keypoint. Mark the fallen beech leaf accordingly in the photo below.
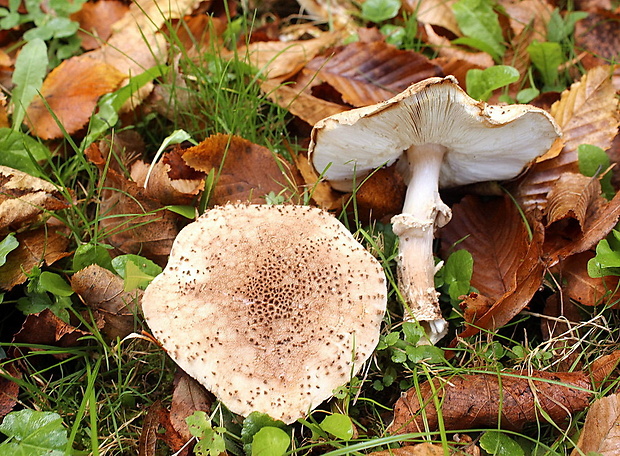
(321, 192)
(601, 431)
(71, 92)
(102, 291)
(46, 244)
(532, 14)
(245, 171)
(599, 35)
(132, 221)
(96, 21)
(507, 265)
(571, 196)
(163, 188)
(308, 108)
(9, 389)
(188, 397)
(367, 73)
(157, 420)
(421, 449)
(579, 286)
(446, 49)
(45, 328)
(434, 12)
(563, 239)
(24, 198)
(285, 58)
(587, 114)
(511, 400)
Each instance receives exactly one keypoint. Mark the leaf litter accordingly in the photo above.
(563, 214)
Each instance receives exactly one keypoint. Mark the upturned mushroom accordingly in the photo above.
(446, 139)
(271, 308)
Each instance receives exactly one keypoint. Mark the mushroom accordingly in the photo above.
(269, 307)
(445, 139)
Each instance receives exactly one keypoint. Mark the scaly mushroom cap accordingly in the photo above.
(483, 142)
(269, 307)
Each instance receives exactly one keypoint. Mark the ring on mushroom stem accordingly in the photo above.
(271, 308)
(448, 139)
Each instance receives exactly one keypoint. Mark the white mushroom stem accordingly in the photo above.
(423, 211)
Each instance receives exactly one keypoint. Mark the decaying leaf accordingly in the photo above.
(244, 171)
(434, 12)
(162, 187)
(102, 291)
(188, 397)
(601, 431)
(570, 197)
(599, 35)
(587, 114)
(9, 389)
(157, 426)
(132, 221)
(421, 449)
(321, 192)
(46, 244)
(96, 21)
(71, 92)
(308, 108)
(24, 198)
(281, 59)
(579, 286)
(45, 328)
(528, 14)
(511, 400)
(367, 73)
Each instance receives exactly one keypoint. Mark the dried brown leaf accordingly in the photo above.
(599, 35)
(308, 108)
(96, 21)
(45, 328)
(71, 92)
(245, 171)
(511, 400)
(188, 397)
(434, 12)
(446, 49)
(102, 291)
(507, 265)
(45, 244)
(601, 431)
(321, 192)
(9, 389)
(132, 221)
(282, 59)
(24, 199)
(421, 449)
(157, 426)
(367, 73)
(529, 14)
(587, 114)
(565, 239)
(570, 197)
(579, 286)
(162, 187)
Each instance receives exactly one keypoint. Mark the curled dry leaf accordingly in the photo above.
(282, 59)
(321, 192)
(132, 221)
(162, 187)
(570, 197)
(24, 199)
(71, 92)
(46, 244)
(45, 328)
(579, 286)
(587, 114)
(511, 400)
(308, 108)
(188, 397)
(367, 73)
(563, 239)
(244, 171)
(601, 431)
(102, 291)
(421, 449)
(434, 12)
(96, 21)
(9, 389)
(157, 419)
(528, 14)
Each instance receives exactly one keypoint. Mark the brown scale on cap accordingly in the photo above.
(267, 306)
